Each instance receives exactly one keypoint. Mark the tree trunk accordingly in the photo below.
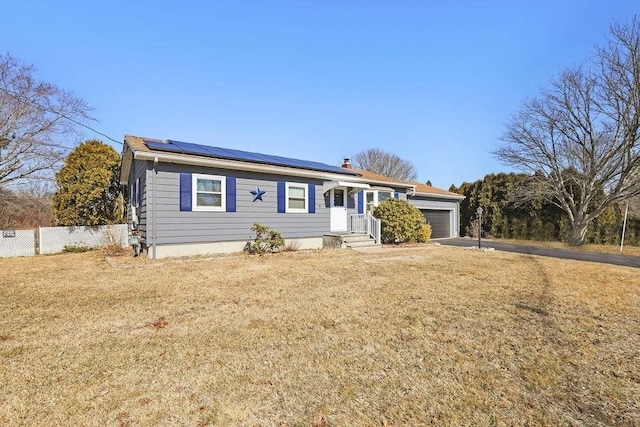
(576, 236)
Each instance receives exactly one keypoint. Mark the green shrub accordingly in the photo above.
(265, 240)
(401, 222)
(425, 234)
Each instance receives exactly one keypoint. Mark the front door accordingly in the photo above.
(338, 207)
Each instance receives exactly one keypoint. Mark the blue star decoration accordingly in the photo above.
(257, 194)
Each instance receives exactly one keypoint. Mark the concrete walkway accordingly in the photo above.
(623, 260)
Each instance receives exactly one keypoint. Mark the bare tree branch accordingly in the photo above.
(580, 138)
(383, 163)
(37, 120)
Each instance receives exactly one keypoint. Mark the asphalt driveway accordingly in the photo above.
(623, 260)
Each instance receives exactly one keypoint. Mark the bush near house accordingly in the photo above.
(401, 222)
(425, 233)
(265, 241)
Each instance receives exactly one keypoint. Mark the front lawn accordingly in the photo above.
(408, 336)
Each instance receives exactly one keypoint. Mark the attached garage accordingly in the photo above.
(440, 221)
(441, 209)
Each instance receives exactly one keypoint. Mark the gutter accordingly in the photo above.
(438, 196)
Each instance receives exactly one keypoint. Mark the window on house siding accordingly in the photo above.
(208, 193)
(370, 201)
(297, 197)
(384, 195)
(134, 193)
(374, 197)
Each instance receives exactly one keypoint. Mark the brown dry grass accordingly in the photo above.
(411, 336)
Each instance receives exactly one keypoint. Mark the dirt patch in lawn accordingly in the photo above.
(418, 336)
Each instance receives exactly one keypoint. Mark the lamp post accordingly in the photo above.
(624, 226)
(479, 212)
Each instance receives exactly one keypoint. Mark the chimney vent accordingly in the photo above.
(347, 164)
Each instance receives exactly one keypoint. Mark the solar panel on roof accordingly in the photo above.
(191, 148)
(218, 152)
(261, 157)
(232, 154)
(257, 157)
(162, 146)
(246, 156)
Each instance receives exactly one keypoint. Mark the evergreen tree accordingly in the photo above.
(88, 188)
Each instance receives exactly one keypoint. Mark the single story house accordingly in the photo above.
(191, 199)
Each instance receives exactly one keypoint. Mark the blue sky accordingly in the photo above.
(431, 81)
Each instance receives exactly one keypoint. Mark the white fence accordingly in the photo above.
(52, 240)
(17, 243)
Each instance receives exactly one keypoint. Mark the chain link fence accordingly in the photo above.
(17, 243)
(54, 239)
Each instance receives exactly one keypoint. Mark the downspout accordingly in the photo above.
(155, 211)
(457, 221)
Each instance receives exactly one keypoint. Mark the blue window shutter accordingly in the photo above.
(231, 193)
(361, 202)
(312, 198)
(185, 191)
(281, 197)
(396, 195)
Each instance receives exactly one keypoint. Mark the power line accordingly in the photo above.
(60, 114)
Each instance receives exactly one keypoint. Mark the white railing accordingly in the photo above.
(359, 223)
(367, 224)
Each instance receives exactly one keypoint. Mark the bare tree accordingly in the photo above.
(378, 161)
(580, 138)
(35, 118)
(634, 207)
(26, 208)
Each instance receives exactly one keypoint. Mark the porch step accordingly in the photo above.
(355, 240)
(368, 244)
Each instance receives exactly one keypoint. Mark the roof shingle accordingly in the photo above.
(420, 188)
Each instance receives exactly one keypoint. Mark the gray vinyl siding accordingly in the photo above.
(433, 203)
(178, 227)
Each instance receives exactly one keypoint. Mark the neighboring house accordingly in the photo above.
(190, 199)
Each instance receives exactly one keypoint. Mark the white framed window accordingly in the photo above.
(208, 193)
(384, 195)
(373, 198)
(297, 197)
(370, 201)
